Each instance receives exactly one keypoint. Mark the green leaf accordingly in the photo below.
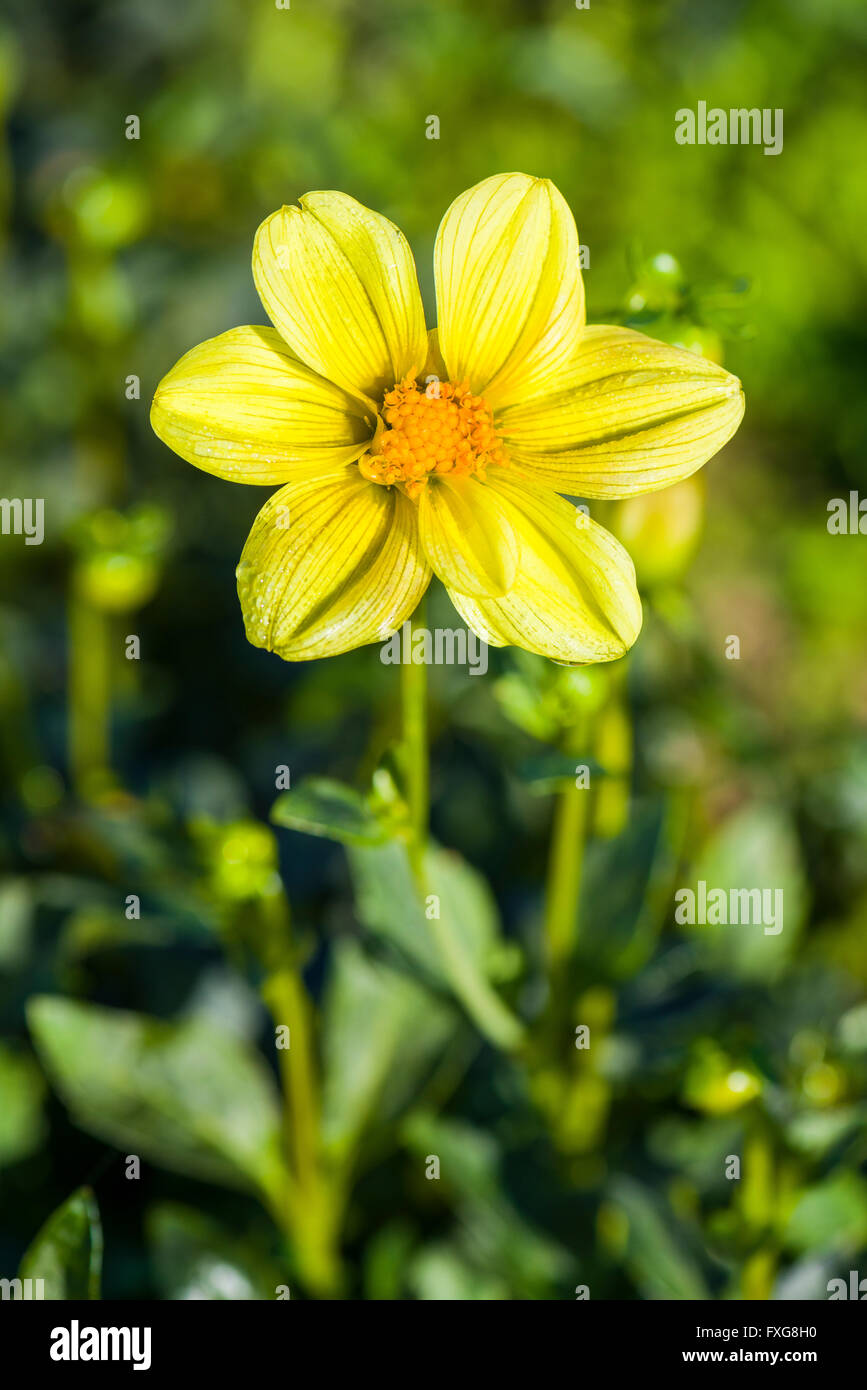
(67, 1252)
(549, 772)
(197, 1259)
(501, 1242)
(443, 1274)
(386, 1257)
(696, 1148)
(806, 1279)
(757, 847)
(21, 1095)
(622, 909)
(16, 921)
(831, 1214)
(381, 1032)
(452, 936)
(191, 1097)
(387, 904)
(655, 1252)
(814, 1132)
(331, 810)
(549, 701)
(852, 1030)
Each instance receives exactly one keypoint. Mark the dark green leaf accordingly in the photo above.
(331, 810)
(67, 1252)
(621, 913)
(196, 1258)
(381, 1033)
(549, 772)
(450, 932)
(757, 848)
(189, 1096)
(656, 1252)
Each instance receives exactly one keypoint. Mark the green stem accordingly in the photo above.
(480, 1001)
(413, 690)
(311, 1214)
(757, 1201)
(286, 999)
(565, 869)
(758, 1276)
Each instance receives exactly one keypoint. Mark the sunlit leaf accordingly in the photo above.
(832, 1214)
(442, 1273)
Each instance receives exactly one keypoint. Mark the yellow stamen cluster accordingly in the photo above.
(441, 429)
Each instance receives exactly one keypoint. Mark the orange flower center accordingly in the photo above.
(442, 428)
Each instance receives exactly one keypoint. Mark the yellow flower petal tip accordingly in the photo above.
(338, 282)
(329, 566)
(404, 451)
(628, 415)
(510, 298)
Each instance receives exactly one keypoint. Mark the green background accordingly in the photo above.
(561, 1168)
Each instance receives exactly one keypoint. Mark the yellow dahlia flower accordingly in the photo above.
(401, 452)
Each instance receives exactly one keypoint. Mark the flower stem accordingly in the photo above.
(310, 1216)
(481, 1002)
(413, 689)
(287, 1000)
(757, 1201)
(565, 868)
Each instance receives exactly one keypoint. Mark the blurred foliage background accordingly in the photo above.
(155, 777)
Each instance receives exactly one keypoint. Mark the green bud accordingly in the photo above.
(659, 285)
(116, 582)
(716, 1085)
(103, 211)
(242, 859)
